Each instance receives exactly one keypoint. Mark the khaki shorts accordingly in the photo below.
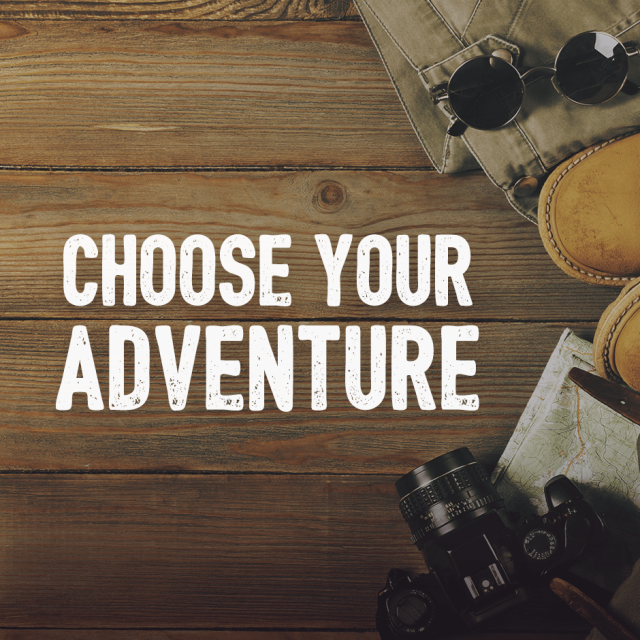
(423, 41)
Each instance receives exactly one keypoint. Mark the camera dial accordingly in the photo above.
(540, 544)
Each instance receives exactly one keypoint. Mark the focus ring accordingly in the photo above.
(420, 500)
(430, 523)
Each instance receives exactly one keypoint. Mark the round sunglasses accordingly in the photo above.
(487, 92)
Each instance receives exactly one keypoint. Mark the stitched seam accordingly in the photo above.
(547, 215)
(404, 106)
(404, 53)
(474, 152)
(446, 152)
(605, 350)
(628, 28)
(493, 180)
(482, 165)
(535, 153)
(506, 44)
(445, 23)
(473, 15)
(516, 17)
(517, 204)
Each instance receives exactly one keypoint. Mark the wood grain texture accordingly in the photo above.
(209, 551)
(509, 276)
(246, 545)
(169, 94)
(178, 10)
(34, 435)
(181, 634)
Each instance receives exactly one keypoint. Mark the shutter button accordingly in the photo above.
(525, 186)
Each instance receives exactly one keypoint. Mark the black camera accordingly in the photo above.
(480, 560)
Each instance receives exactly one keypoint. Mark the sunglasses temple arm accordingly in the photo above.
(632, 49)
(438, 94)
(457, 127)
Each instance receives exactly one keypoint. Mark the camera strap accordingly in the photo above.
(615, 396)
(590, 610)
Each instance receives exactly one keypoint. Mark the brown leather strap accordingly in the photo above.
(591, 611)
(625, 401)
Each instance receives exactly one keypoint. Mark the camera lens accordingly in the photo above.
(411, 612)
(445, 494)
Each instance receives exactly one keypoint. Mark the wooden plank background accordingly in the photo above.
(181, 9)
(510, 271)
(167, 94)
(219, 117)
(340, 439)
(197, 551)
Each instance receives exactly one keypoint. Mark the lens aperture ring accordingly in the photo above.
(430, 521)
(447, 486)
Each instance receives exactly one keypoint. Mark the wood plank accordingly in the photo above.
(34, 435)
(178, 10)
(510, 271)
(181, 634)
(227, 634)
(140, 93)
(209, 551)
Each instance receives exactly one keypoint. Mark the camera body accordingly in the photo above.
(569, 531)
(480, 561)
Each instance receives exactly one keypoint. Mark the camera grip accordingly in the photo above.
(576, 535)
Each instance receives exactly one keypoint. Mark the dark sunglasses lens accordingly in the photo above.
(486, 92)
(591, 68)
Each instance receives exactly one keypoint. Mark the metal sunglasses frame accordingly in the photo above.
(458, 126)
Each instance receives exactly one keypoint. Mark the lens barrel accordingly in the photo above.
(444, 494)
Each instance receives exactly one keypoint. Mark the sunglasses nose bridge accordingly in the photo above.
(532, 74)
(502, 59)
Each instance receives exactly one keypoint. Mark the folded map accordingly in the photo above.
(564, 430)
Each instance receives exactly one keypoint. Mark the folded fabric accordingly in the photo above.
(422, 42)
(624, 605)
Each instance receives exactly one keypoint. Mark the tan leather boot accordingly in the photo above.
(589, 213)
(616, 345)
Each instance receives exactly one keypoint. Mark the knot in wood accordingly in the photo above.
(329, 196)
